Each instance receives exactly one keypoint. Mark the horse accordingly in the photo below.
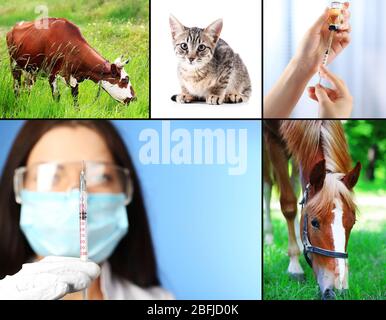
(328, 212)
(60, 51)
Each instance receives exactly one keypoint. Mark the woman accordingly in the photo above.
(39, 203)
(333, 103)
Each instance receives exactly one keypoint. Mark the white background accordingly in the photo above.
(241, 30)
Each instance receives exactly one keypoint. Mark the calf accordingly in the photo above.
(61, 51)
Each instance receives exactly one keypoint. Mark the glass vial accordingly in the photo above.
(335, 15)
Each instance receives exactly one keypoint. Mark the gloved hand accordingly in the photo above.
(49, 279)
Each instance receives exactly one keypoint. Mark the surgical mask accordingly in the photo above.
(50, 222)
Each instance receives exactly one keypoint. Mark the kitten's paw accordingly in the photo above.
(234, 98)
(214, 100)
(183, 98)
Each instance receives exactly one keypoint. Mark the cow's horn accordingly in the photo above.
(118, 62)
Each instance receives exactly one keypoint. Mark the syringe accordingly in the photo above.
(83, 220)
(327, 53)
(335, 21)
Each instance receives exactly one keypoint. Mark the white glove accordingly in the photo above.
(50, 278)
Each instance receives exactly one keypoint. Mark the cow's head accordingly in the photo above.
(117, 82)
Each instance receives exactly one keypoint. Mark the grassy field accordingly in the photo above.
(367, 259)
(113, 28)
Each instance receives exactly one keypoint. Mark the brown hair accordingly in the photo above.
(133, 259)
(305, 137)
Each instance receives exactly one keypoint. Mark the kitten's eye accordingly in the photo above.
(201, 47)
(184, 46)
(315, 224)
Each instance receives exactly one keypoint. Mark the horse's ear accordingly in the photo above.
(351, 179)
(317, 176)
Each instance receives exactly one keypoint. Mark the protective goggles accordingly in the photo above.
(101, 177)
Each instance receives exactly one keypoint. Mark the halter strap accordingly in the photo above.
(307, 246)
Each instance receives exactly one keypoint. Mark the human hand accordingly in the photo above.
(50, 278)
(334, 103)
(313, 46)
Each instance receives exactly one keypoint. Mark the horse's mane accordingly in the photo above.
(304, 140)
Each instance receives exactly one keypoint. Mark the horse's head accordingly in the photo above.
(117, 82)
(328, 216)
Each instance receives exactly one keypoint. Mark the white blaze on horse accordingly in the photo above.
(328, 209)
(61, 51)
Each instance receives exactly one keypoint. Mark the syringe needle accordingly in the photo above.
(327, 53)
(83, 220)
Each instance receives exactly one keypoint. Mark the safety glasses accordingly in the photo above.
(101, 177)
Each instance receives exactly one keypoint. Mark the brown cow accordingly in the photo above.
(59, 50)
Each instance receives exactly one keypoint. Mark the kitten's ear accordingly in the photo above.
(175, 26)
(214, 30)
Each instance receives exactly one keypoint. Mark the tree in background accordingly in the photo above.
(367, 141)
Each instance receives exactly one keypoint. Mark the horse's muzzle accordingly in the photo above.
(329, 294)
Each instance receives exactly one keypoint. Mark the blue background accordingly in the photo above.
(206, 224)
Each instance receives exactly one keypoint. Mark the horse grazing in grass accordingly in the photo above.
(57, 49)
(328, 210)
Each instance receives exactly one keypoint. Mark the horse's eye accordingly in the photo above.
(184, 46)
(315, 223)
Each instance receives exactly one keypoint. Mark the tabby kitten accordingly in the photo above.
(208, 69)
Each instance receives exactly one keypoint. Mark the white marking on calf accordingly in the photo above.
(123, 74)
(339, 237)
(55, 87)
(73, 81)
(120, 94)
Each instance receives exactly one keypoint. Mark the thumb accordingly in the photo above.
(320, 22)
(322, 95)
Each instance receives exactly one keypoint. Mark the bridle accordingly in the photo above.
(307, 246)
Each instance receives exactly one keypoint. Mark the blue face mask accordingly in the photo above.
(50, 222)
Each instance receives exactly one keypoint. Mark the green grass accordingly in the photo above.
(367, 251)
(377, 187)
(113, 28)
(78, 11)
